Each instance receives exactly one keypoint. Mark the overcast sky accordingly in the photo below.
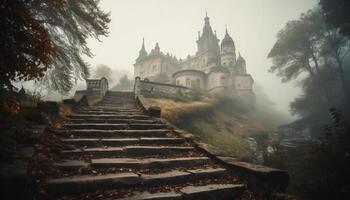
(253, 25)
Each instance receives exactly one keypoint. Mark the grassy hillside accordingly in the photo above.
(222, 122)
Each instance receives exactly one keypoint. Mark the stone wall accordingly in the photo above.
(158, 90)
(96, 89)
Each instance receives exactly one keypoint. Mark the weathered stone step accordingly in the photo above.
(79, 184)
(72, 164)
(176, 176)
(213, 192)
(103, 141)
(205, 192)
(96, 126)
(122, 141)
(108, 116)
(155, 150)
(116, 103)
(116, 108)
(147, 163)
(133, 163)
(112, 110)
(108, 112)
(118, 133)
(112, 151)
(114, 121)
(106, 126)
(129, 151)
(154, 196)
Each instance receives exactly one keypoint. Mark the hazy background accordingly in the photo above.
(253, 24)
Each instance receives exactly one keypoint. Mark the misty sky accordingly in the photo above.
(253, 25)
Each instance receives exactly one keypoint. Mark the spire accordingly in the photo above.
(142, 52)
(206, 18)
(156, 48)
(207, 41)
(241, 64)
(226, 29)
(143, 44)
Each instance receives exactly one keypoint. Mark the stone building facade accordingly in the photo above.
(213, 69)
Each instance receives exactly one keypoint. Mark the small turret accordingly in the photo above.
(156, 48)
(227, 41)
(241, 65)
(228, 51)
(142, 53)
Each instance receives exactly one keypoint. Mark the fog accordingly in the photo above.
(253, 24)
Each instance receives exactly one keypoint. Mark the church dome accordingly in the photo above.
(227, 41)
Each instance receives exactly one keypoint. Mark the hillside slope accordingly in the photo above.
(222, 122)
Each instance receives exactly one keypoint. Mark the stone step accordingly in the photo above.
(114, 121)
(161, 141)
(72, 164)
(205, 192)
(110, 109)
(112, 151)
(154, 196)
(122, 141)
(116, 104)
(148, 163)
(176, 176)
(108, 112)
(155, 150)
(117, 108)
(115, 142)
(96, 126)
(213, 192)
(80, 184)
(129, 151)
(105, 116)
(106, 126)
(118, 133)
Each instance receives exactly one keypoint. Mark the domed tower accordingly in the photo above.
(241, 65)
(228, 51)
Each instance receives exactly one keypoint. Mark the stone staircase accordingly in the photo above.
(117, 152)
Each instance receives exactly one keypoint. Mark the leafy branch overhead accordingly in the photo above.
(309, 45)
(58, 39)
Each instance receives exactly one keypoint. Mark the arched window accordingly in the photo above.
(188, 82)
(177, 82)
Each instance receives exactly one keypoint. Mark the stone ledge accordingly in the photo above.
(152, 111)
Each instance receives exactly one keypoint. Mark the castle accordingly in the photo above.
(214, 69)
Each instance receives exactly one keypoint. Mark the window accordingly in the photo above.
(154, 68)
(177, 82)
(222, 80)
(188, 82)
